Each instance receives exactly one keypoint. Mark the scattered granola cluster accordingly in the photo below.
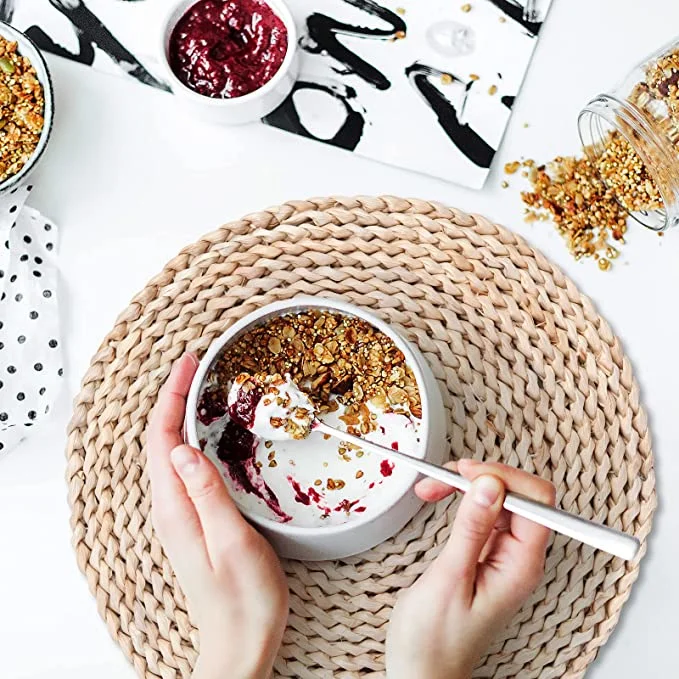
(334, 359)
(590, 203)
(584, 210)
(21, 109)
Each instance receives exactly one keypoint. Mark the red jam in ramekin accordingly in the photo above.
(225, 49)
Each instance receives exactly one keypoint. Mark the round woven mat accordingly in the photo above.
(531, 375)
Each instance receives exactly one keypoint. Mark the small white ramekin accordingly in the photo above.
(238, 110)
(358, 535)
(27, 48)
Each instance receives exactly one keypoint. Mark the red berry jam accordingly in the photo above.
(243, 410)
(225, 49)
(386, 467)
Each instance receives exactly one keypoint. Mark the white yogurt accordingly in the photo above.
(370, 481)
(270, 409)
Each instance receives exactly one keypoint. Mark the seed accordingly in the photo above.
(604, 264)
(268, 444)
(492, 89)
(446, 79)
(504, 184)
(400, 10)
(317, 482)
(359, 474)
(330, 484)
(273, 463)
(400, 35)
(275, 345)
(6, 65)
(502, 20)
(466, 7)
(271, 455)
(473, 76)
(511, 168)
(360, 453)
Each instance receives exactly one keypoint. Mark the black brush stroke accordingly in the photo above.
(464, 137)
(323, 30)
(515, 11)
(286, 117)
(91, 31)
(508, 101)
(7, 10)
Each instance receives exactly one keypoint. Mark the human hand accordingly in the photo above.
(233, 581)
(493, 560)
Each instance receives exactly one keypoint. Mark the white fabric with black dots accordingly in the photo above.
(30, 346)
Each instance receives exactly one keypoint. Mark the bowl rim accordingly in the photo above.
(48, 97)
(288, 306)
(173, 15)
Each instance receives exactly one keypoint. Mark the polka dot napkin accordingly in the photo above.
(30, 349)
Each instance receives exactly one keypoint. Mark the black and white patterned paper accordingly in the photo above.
(426, 85)
(30, 348)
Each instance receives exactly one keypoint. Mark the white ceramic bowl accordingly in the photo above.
(27, 48)
(237, 110)
(400, 503)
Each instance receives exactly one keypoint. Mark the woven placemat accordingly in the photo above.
(531, 375)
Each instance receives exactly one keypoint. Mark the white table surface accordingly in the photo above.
(127, 197)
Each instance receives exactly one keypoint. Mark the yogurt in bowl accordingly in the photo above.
(315, 497)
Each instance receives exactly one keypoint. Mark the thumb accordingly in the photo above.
(474, 522)
(219, 517)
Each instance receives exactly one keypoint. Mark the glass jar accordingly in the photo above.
(631, 135)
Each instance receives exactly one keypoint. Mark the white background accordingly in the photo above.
(127, 195)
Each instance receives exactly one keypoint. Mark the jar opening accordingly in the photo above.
(597, 122)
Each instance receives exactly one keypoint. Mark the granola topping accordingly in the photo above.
(22, 109)
(336, 360)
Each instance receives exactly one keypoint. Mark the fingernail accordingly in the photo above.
(185, 460)
(469, 461)
(486, 490)
(194, 358)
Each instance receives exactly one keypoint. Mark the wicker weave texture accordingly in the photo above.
(531, 376)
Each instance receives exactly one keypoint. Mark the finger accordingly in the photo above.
(164, 434)
(167, 418)
(173, 514)
(476, 516)
(221, 522)
(532, 535)
(431, 490)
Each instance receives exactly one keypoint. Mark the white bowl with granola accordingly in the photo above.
(316, 498)
(26, 107)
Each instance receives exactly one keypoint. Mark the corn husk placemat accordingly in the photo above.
(531, 376)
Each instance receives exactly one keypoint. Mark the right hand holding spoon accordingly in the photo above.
(493, 560)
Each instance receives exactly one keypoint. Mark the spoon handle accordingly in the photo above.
(594, 534)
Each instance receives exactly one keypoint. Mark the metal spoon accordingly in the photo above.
(601, 537)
